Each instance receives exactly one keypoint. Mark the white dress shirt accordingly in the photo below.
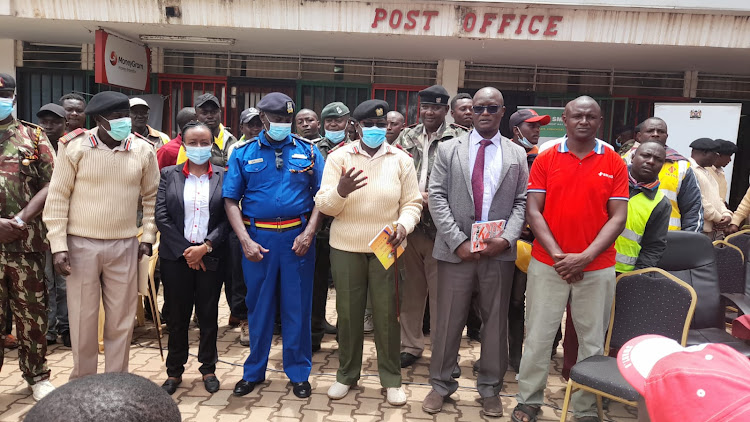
(195, 200)
(493, 164)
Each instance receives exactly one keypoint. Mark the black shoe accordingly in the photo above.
(277, 329)
(243, 388)
(66, 338)
(456, 372)
(51, 341)
(170, 385)
(475, 367)
(315, 348)
(407, 359)
(302, 389)
(474, 335)
(329, 329)
(211, 383)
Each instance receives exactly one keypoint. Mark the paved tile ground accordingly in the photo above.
(274, 400)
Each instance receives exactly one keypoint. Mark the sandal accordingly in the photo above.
(528, 411)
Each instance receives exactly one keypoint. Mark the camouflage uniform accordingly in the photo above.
(409, 140)
(25, 168)
(322, 258)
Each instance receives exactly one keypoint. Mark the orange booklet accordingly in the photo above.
(485, 230)
(381, 248)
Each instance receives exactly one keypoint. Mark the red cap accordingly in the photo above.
(528, 115)
(704, 383)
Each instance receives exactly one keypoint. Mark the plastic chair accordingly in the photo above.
(648, 301)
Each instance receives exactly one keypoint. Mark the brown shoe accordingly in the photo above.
(234, 321)
(433, 403)
(492, 407)
(10, 342)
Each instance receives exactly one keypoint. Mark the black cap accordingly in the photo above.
(248, 115)
(205, 98)
(435, 94)
(276, 103)
(726, 147)
(371, 109)
(107, 101)
(705, 144)
(53, 108)
(7, 82)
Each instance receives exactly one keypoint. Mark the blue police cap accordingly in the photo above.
(276, 103)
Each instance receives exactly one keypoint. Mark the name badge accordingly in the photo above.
(255, 161)
(303, 156)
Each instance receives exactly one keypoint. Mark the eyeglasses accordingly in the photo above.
(492, 109)
(369, 123)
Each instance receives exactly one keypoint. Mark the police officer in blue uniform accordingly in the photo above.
(275, 177)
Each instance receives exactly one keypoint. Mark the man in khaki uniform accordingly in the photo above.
(421, 141)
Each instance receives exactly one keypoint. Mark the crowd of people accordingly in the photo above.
(275, 217)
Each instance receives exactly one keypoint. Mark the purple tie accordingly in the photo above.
(477, 179)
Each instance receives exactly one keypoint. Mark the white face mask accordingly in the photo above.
(522, 139)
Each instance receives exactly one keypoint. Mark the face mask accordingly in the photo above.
(6, 107)
(279, 131)
(119, 128)
(524, 142)
(336, 136)
(198, 155)
(373, 137)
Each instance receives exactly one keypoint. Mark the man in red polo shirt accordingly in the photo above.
(577, 206)
(167, 155)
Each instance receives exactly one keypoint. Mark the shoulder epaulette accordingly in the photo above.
(33, 129)
(341, 144)
(457, 126)
(412, 126)
(150, 142)
(71, 135)
(402, 149)
(295, 136)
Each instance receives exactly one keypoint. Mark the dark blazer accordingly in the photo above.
(170, 212)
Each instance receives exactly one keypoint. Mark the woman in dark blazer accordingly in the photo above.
(190, 216)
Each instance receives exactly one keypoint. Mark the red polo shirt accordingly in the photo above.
(167, 154)
(577, 192)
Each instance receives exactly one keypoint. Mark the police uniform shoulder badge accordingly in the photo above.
(71, 135)
(299, 138)
(402, 149)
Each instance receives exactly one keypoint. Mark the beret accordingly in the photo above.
(205, 98)
(371, 109)
(248, 115)
(276, 103)
(53, 108)
(528, 115)
(726, 147)
(7, 82)
(435, 94)
(107, 101)
(705, 144)
(335, 109)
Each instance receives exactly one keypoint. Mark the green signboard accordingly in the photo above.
(555, 129)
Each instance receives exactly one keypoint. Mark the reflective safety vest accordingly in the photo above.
(670, 178)
(628, 244)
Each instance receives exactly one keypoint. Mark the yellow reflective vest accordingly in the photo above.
(670, 177)
(628, 244)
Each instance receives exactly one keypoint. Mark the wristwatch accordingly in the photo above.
(209, 249)
(20, 222)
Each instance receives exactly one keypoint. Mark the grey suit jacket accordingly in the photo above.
(452, 201)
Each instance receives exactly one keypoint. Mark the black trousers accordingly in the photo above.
(237, 291)
(320, 289)
(185, 287)
(516, 314)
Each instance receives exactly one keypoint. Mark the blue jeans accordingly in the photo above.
(58, 300)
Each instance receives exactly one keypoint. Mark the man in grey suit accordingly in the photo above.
(479, 176)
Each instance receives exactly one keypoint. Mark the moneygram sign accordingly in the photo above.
(121, 63)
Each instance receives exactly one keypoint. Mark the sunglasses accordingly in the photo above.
(492, 109)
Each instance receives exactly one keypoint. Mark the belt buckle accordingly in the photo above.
(278, 224)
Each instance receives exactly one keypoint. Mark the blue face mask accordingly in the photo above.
(525, 143)
(336, 136)
(198, 155)
(119, 129)
(6, 107)
(374, 136)
(279, 131)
